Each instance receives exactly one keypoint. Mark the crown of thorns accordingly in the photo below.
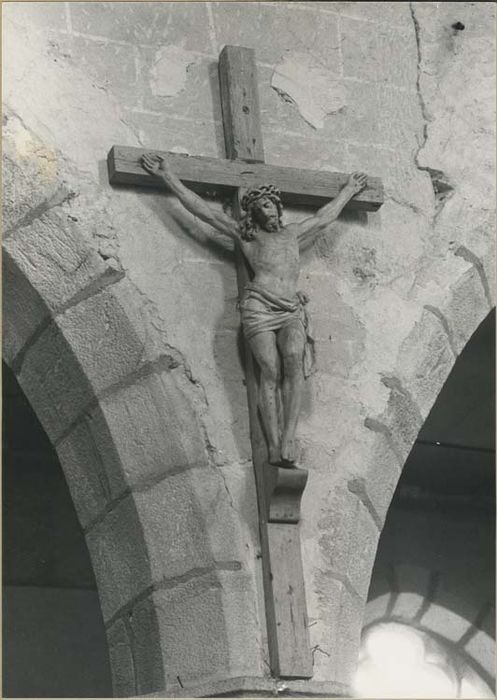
(256, 193)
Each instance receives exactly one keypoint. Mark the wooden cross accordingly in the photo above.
(279, 490)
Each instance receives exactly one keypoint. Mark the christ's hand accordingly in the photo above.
(156, 165)
(152, 163)
(357, 182)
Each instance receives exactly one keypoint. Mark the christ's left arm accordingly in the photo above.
(307, 231)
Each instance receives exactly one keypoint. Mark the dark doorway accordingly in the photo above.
(54, 642)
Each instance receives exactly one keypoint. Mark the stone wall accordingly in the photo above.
(120, 318)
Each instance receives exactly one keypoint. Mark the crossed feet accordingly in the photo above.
(283, 457)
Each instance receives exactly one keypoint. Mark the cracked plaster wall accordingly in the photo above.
(395, 295)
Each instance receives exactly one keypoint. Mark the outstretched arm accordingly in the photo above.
(158, 166)
(309, 229)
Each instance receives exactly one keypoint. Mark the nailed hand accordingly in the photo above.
(152, 163)
(357, 181)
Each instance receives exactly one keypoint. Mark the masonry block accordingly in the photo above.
(188, 523)
(274, 30)
(468, 294)
(145, 24)
(400, 119)
(348, 537)
(53, 381)
(359, 121)
(59, 263)
(360, 50)
(147, 422)
(316, 154)
(373, 468)
(206, 626)
(101, 335)
(143, 628)
(393, 13)
(119, 556)
(183, 524)
(381, 53)
(278, 115)
(398, 51)
(189, 89)
(50, 16)
(91, 447)
(23, 309)
(163, 132)
(427, 358)
(29, 171)
(85, 475)
(121, 660)
(110, 65)
(336, 632)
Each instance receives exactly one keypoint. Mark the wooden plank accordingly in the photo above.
(292, 627)
(218, 177)
(287, 645)
(240, 104)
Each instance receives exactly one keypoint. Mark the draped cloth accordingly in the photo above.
(274, 313)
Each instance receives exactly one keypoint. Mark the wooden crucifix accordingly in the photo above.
(273, 316)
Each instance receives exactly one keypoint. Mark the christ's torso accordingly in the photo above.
(274, 259)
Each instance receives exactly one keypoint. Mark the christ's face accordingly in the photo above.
(265, 214)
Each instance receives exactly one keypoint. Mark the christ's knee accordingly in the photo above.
(269, 373)
(293, 359)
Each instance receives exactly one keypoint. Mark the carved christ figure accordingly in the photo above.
(273, 316)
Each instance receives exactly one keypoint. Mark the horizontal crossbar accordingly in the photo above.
(217, 177)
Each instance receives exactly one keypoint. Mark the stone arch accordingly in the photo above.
(368, 470)
(121, 409)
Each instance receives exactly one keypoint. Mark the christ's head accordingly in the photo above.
(265, 214)
(263, 209)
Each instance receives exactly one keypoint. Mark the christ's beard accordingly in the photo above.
(271, 225)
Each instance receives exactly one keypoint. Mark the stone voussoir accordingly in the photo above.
(200, 637)
(58, 261)
(164, 535)
(147, 421)
(121, 660)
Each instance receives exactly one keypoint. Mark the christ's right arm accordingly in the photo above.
(158, 166)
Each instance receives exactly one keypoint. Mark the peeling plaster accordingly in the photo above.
(303, 81)
(169, 71)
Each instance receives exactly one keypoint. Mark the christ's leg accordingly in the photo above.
(263, 346)
(291, 342)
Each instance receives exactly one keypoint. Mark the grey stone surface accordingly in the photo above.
(120, 558)
(417, 97)
(54, 383)
(154, 412)
(121, 660)
(58, 262)
(144, 25)
(207, 627)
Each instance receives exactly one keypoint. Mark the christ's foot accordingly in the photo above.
(288, 455)
(274, 455)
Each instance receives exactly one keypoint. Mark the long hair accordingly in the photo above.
(247, 225)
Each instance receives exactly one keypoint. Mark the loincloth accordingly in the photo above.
(274, 314)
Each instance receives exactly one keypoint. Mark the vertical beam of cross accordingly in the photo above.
(278, 490)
